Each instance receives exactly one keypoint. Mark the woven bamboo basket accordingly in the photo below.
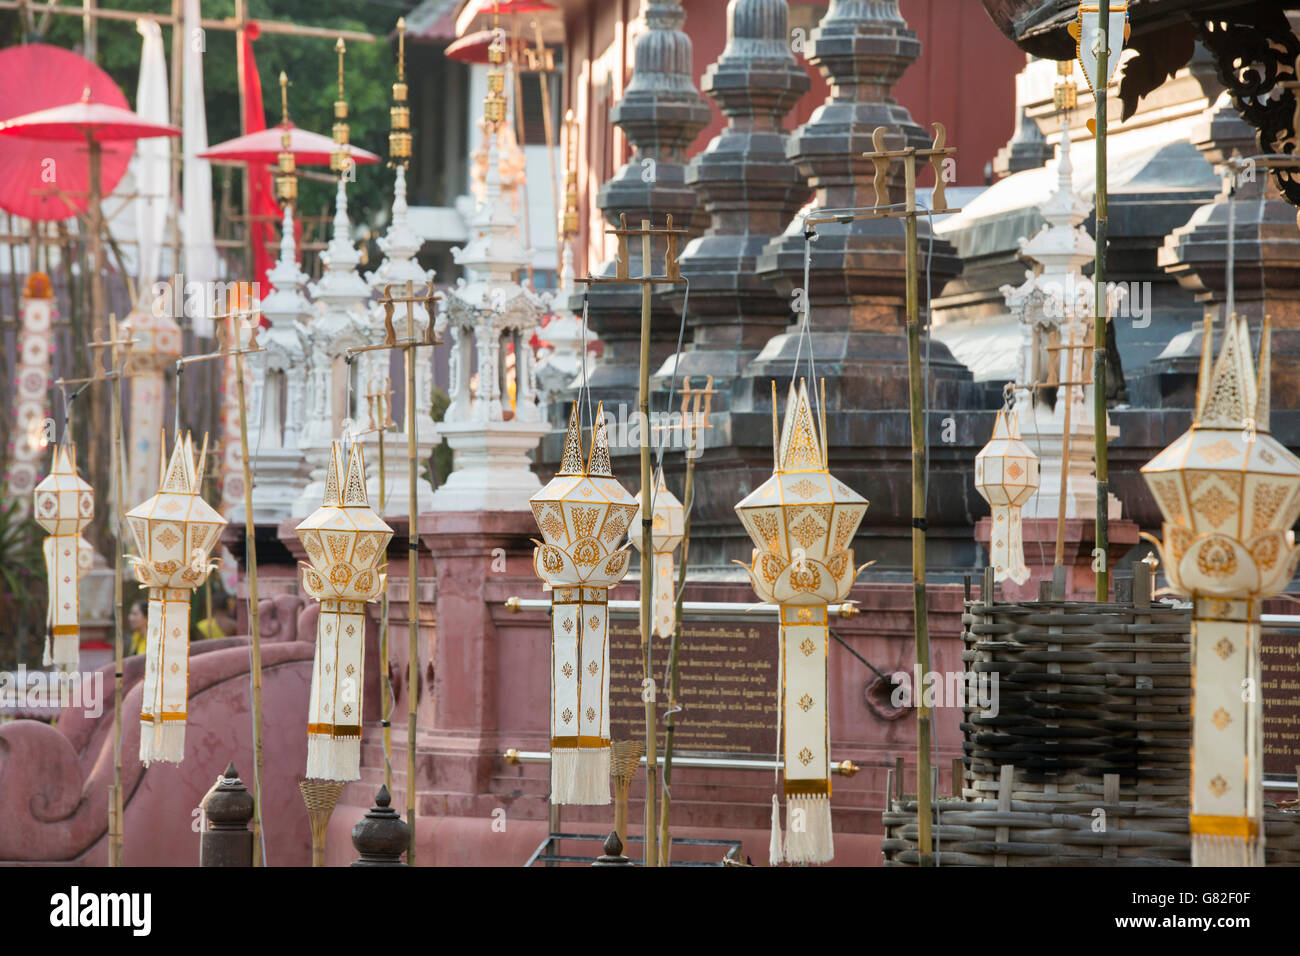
(1086, 761)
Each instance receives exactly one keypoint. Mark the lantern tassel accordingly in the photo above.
(775, 854)
(808, 829)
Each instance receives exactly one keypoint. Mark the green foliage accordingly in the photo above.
(442, 456)
(22, 588)
(310, 63)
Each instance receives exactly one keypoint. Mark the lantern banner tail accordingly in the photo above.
(665, 604)
(166, 676)
(580, 697)
(1227, 739)
(804, 637)
(334, 729)
(1006, 545)
(63, 640)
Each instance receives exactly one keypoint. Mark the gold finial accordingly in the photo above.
(286, 180)
(340, 158)
(494, 104)
(1065, 95)
(399, 136)
(569, 216)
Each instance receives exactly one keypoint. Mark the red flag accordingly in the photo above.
(261, 195)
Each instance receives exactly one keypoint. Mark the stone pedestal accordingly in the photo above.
(1040, 552)
(492, 471)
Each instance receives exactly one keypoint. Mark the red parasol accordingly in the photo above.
(265, 146)
(95, 124)
(34, 77)
(85, 120)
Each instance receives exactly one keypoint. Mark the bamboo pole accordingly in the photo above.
(919, 599)
(413, 598)
(254, 629)
(1102, 539)
(647, 557)
(385, 694)
(115, 848)
(670, 728)
(1067, 390)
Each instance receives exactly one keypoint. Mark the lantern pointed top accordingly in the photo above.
(354, 485)
(799, 449)
(1230, 397)
(65, 460)
(572, 461)
(1007, 425)
(180, 474)
(1263, 392)
(333, 496)
(598, 464)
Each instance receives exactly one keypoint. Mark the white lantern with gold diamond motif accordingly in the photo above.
(64, 504)
(1229, 492)
(345, 542)
(175, 532)
(1006, 476)
(583, 513)
(666, 531)
(802, 521)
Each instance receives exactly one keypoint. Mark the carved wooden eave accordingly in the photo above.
(1253, 44)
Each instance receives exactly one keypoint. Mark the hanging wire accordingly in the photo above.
(68, 401)
(584, 390)
(672, 392)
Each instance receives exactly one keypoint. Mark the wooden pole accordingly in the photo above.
(670, 729)
(254, 629)
(1067, 391)
(1102, 540)
(919, 600)
(94, 227)
(115, 847)
(385, 695)
(647, 558)
(413, 598)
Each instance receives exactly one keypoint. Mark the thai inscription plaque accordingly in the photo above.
(1280, 666)
(728, 680)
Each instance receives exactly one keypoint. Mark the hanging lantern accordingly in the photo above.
(666, 531)
(345, 541)
(64, 505)
(175, 532)
(802, 522)
(583, 513)
(1006, 476)
(1229, 492)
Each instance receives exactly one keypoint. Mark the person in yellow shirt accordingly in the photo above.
(137, 622)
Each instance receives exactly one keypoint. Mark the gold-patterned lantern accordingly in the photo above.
(345, 542)
(583, 513)
(802, 521)
(1229, 492)
(175, 532)
(64, 505)
(667, 527)
(399, 114)
(1006, 476)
